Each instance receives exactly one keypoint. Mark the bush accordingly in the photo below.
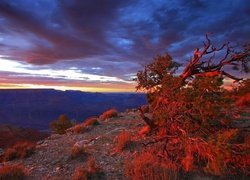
(241, 93)
(81, 128)
(146, 167)
(124, 140)
(19, 150)
(91, 172)
(243, 101)
(109, 114)
(61, 125)
(78, 152)
(91, 122)
(12, 172)
(81, 174)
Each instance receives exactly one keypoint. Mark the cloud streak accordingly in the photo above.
(108, 40)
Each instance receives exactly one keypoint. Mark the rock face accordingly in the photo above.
(39, 107)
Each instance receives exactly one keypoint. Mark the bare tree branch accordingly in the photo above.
(197, 67)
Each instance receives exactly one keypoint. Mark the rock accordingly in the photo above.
(80, 143)
(40, 142)
(55, 136)
(70, 130)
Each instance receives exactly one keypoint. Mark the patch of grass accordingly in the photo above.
(12, 172)
(19, 150)
(109, 114)
(124, 140)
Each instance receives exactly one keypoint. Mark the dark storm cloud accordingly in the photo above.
(113, 37)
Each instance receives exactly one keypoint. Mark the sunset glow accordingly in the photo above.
(101, 47)
(20, 71)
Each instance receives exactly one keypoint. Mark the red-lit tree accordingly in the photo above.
(193, 113)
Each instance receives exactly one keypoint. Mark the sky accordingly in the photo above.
(100, 45)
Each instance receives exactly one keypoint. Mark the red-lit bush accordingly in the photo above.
(81, 128)
(124, 139)
(12, 172)
(91, 172)
(241, 93)
(78, 152)
(91, 122)
(19, 150)
(146, 166)
(109, 114)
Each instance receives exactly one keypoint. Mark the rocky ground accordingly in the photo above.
(53, 160)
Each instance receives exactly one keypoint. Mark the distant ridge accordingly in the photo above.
(37, 108)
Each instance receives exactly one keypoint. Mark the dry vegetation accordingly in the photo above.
(124, 139)
(12, 172)
(145, 166)
(81, 128)
(91, 172)
(78, 152)
(109, 114)
(19, 150)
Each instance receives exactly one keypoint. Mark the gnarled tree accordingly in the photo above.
(193, 113)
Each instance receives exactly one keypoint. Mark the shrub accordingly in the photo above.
(241, 93)
(19, 150)
(61, 125)
(146, 167)
(243, 101)
(78, 152)
(79, 129)
(12, 172)
(124, 140)
(109, 114)
(91, 172)
(81, 174)
(91, 122)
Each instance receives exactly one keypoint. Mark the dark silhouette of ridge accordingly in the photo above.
(37, 108)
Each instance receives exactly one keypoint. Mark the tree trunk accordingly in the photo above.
(148, 121)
